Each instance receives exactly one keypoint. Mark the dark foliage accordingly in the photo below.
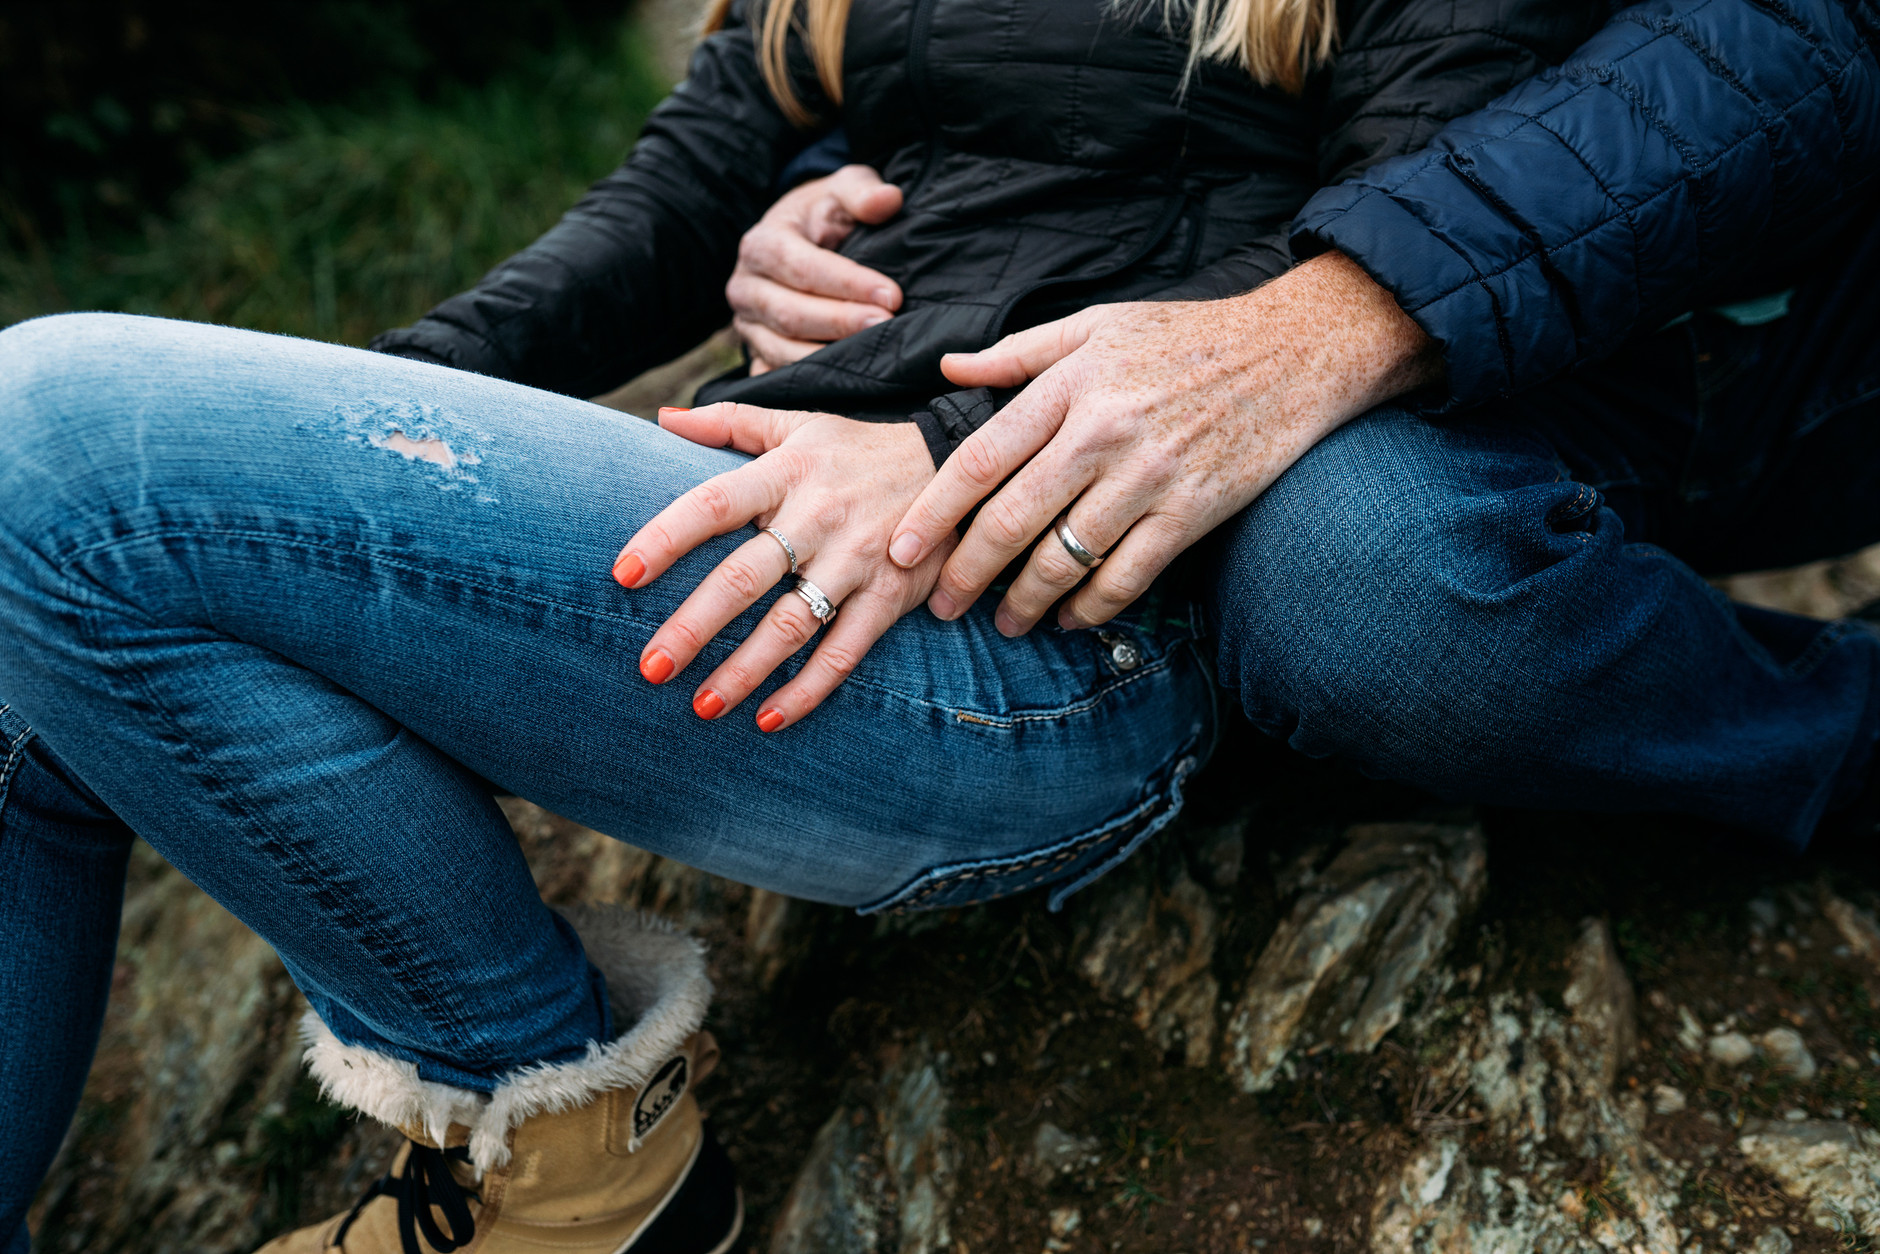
(107, 105)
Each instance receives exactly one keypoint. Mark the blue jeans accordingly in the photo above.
(237, 621)
(1510, 607)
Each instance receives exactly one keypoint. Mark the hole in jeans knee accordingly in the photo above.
(433, 450)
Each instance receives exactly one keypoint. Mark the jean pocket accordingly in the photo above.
(1069, 864)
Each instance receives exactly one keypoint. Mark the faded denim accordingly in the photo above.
(289, 656)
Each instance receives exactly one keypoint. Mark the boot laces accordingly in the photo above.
(424, 1183)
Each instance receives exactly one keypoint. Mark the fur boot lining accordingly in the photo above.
(656, 983)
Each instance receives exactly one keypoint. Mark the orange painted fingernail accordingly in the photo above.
(629, 569)
(708, 704)
(770, 720)
(656, 666)
(674, 409)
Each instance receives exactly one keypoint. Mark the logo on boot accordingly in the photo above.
(657, 1099)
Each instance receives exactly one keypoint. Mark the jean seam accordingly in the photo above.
(1141, 820)
(375, 554)
(16, 752)
(287, 854)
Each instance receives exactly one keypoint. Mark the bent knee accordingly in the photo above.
(68, 385)
(67, 368)
(1382, 604)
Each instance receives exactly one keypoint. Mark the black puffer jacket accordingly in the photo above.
(1050, 160)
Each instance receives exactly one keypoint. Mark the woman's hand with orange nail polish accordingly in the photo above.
(836, 487)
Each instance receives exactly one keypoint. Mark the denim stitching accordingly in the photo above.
(1043, 862)
(562, 607)
(16, 752)
(1023, 872)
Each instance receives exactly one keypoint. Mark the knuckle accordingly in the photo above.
(978, 462)
(737, 679)
(1056, 567)
(1116, 590)
(690, 638)
(741, 581)
(796, 625)
(713, 501)
(839, 660)
(792, 463)
(829, 516)
(1004, 525)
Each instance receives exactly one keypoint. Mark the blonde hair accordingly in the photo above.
(1276, 41)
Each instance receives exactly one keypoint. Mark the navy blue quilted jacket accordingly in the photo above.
(1693, 152)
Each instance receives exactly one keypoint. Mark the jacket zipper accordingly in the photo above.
(919, 34)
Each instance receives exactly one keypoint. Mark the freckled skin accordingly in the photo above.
(1153, 423)
(1160, 420)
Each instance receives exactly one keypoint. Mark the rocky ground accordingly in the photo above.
(1317, 1014)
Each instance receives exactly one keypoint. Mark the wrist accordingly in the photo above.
(1340, 341)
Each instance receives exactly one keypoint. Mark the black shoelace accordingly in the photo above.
(424, 1183)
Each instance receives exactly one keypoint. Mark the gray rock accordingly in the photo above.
(1362, 934)
(1773, 1241)
(1667, 1100)
(879, 1176)
(1856, 926)
(1544, 1085)
(1148, 941)
(1732, 1049)
(839, 1197)
(1055, 1152)
(919, 1151)
(1832, 1165)
(1785, 1048)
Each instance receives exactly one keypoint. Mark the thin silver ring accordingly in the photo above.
(784, 540)
(1081, 555)
(819, 603)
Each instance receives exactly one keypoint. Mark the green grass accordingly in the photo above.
(349, 221)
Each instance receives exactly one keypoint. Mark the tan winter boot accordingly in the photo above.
(607, 1155)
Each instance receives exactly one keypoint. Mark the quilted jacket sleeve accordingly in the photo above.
(1404, 69)
(1686, 140)
(634, 274)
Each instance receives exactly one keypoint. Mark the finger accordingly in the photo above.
(785, 257)
(786, 628)
(860, 193)
(753, 568)
(864, 619)
(722, 503)
(1127, 571)
(769, 350)
(1023, 355)
(1098, 518)
(978, 466)
(799, 314)
(730, 424)
(1010, 522)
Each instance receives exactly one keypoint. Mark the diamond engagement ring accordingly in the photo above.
(784, 540)
(820, 605)
(1081, 555)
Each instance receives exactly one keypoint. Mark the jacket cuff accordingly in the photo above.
(949, 419)
(1455, 305)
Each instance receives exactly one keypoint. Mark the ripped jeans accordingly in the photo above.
(282, 609)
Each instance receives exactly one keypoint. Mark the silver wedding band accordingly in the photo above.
(1081, 555)
(784, 540)
(819, 604)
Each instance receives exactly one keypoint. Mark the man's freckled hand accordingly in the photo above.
(1146, 425)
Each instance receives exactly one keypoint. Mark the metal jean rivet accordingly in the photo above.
(1124, 655)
